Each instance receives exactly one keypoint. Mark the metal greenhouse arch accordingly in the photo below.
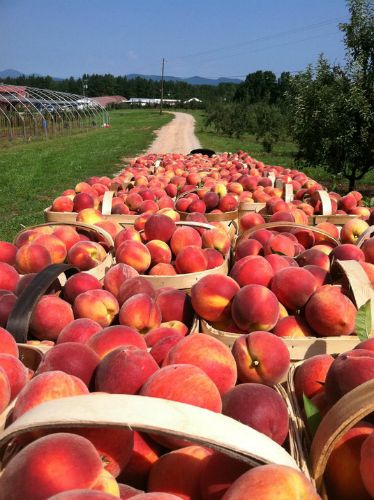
(28, 112)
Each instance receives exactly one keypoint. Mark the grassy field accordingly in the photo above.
(283, 154)
(31, 175)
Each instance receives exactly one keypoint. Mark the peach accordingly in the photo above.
(305, 237)
(248, 247)
(79, 330)
(293, 286)
(133, 201)
(5, 390)
(322, 276)
(250, 220)
(281, 245)
(157, 334)
(314, 257)
(368, 249)
(259, 407)
(325, 248)
(253, 269)
(89, 216)
(82, 201)
(79, 283)
(219, 472)
(159, 227)
(126, 234)
(26, 237)
(272, 481)
(217, 239)
(8, 253)
(161, 348)
(212, 295)
(86, 255)
(209, 354)
(186, 384)
(261, 357)
(293, 327)
(197, 206)
(98, 305)
(329, 228)
(126, 491)
(310, 376)
(50, 315)
(214, 258)
(72, 358)
(116, 276)
(255, 307)
(7, 302)
(134, 254)
(9, 277)
(184, 236)
(262, 236)
(137, 364)
(144, 454)
(347, 251)
(228, 203)
(7, 343)
(191, 259)
(52, 464)
(113, 337)
(366, 463)
(211, 200)
(62, 204)
(347, 202)
(162, 270)
(330, 313)
(67, 234)
(45, 387)
(140, 312)
(178, 472)
(133, 286)
(342, 475)
(160, 252)
(347, 371)
(111, 227)
(32, 258)
(175, 305)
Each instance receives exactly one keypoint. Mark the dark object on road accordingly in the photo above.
(203, 151)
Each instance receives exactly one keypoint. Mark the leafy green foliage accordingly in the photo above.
(312, 414)
(363, 325)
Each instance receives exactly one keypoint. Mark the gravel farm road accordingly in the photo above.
(177, 136)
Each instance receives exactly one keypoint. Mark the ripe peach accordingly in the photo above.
(347, 252)
(126, 491)
(82, 201)
(50, 315)
(55, 247)
(111, 227)
(32, 258)
(79, 283)
(214, 258)
(133, 286)
(8, 253)
(261, 357)
(137, 364)
(211, 296)
(219, 364)
(62, 204)
(159, 227)
(67, 234)
(328, 227)
(251, 270)
(352, 230)
(250, 220)
(248, 247)
(126, 234)
(112, 337)
(9, 277)
(98, 305)
(135, 254)
(79, 330)
(162, 270)
(89, 215)
(321, 276)
(347, 371)
(281, 245)
(366, 463)
(272, 481)
(178, 472)
(7, 343)
(47, 386)
(5, 390)
(310, 376)
(86, 255)
(255, 307)
(72, 358)
(184, 236)
(368, 249)
(140, 312)
(191, 259)
(293, 327)
(116, 276)
(50, 465)
(330, 313)
(217, 239)
(293, 286)
(175, 305)
(262, 236)
(342, 475)
(314, 257)
(160, 252)
(259, 407)
(211, 200)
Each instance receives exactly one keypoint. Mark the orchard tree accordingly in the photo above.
(332, 109)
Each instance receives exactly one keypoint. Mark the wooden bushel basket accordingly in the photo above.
(101, 236)
(327, 215)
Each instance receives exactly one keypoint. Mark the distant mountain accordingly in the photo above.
(193, 80)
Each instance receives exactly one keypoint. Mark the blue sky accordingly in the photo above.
(209, 38)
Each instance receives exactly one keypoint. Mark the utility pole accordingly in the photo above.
(84, 86)
(162, 84)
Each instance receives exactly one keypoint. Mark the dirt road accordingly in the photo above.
(177, 136)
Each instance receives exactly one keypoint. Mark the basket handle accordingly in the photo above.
(19, 319)
(155, 415)
(365, 236)
(350, 409)
(326, 202)
(106, 205)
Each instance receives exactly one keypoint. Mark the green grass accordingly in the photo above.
(283, 154)
(32, 175)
